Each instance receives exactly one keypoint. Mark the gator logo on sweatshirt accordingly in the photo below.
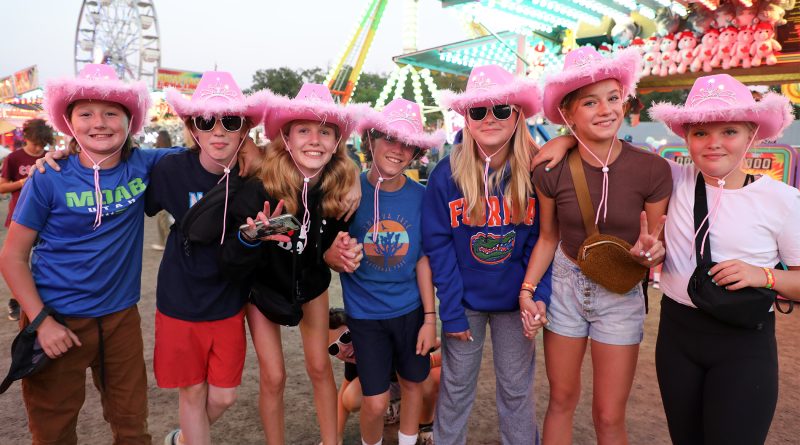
(489, 248)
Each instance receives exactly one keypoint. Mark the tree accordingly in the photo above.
(388, 244)
(281, 80)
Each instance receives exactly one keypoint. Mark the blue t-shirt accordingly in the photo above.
(385, 285)
(190, 283)
(80, 271)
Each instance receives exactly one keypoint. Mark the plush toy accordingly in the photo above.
(651, 61)
(725, 44)
(638, 43)
(535, 55)
(703, 54)
(772, 14)
(604, 50)
(741, 49)
(669, 56)
(666, 21)
(764, 45)
(745, 15)
(724, 16)
(686, 45)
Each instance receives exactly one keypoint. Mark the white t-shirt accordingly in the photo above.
(758, 224)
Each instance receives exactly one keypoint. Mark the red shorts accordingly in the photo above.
(191, 352)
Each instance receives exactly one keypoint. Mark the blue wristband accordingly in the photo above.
(245, 243)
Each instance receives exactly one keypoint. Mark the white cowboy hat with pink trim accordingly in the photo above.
(96, 82)
(491, 85)
(721, 98)
(313, 102)
(402, 119)
(584, 66)
(217, 94)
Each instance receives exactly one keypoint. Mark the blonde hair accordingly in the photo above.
(467, 166)
(282, 180)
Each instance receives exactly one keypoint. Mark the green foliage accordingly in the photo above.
(675, 97)
(284, 80)
(287, 81)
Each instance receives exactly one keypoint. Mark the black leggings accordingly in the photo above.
(719, 384)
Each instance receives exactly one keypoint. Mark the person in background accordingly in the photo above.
(350, 394)
(164, 219)
(38, 135)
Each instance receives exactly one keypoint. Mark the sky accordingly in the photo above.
(240, 36)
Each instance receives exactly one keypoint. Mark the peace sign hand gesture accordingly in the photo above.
(649, 250)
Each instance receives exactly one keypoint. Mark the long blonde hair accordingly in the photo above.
(467, 166)
(283, 181)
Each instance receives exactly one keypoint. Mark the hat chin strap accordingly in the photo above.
(718, 199)
(604, 195)
(375, 201)
(306, 179)
(98, 193)
(488, 159)
(226, 170)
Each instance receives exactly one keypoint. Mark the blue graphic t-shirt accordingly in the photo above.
(385, 285)
(80, 271)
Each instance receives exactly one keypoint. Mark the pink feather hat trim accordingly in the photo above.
(96, 82)
(491, 85)
(584, 66)
(402, 119)
(721, 98)
(217, 94)
(313, 102)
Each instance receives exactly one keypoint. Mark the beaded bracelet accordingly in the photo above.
(530, 287)
(770, 277)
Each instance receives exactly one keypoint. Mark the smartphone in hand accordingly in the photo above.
(280, 225)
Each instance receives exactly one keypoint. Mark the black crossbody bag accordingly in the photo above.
(746, 308)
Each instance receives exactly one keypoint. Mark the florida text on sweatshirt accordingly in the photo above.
(478, 267)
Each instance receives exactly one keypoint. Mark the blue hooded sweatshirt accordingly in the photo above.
(479, 267)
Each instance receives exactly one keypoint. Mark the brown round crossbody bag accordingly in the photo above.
(605, 259)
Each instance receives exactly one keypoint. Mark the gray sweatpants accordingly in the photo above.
(514, 366)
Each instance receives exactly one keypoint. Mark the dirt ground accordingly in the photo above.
(241, 425)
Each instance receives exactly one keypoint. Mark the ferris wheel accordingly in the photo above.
(120, 33)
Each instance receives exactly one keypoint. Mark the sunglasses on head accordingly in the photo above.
(343, 339)
(229, 123)
(500, 112)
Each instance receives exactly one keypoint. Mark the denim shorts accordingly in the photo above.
(579, 307)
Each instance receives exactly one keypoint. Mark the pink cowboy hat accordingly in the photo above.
(584, 66)
(313, 102)
(721, 98)
(402, 119)
(96, 82)
(217, 94)
(491, 85)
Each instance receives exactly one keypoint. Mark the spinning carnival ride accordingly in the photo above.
(120, 33)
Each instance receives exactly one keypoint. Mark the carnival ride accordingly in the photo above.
(120, 33)
(343, 77)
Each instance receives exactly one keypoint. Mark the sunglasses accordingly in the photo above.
(343, 339)
(500, 112)
(229, 123)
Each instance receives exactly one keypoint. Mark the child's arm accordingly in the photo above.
(541, 258)
(427, 333)
(54, 338)
(554, 151)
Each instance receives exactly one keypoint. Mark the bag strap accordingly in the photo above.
(700, 212)
(582, 192)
